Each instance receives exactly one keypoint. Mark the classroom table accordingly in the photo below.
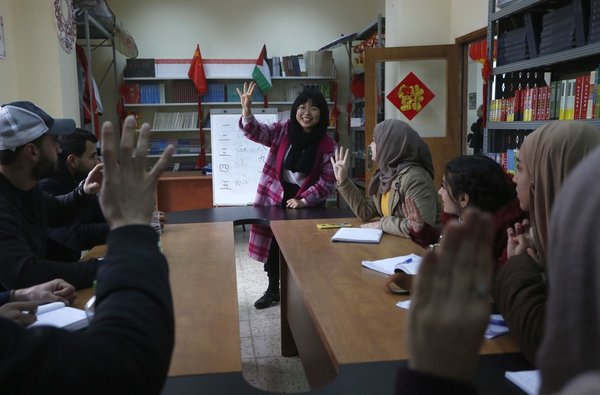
(335, 314)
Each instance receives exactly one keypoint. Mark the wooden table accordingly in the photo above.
(334, 312)
(203, 282)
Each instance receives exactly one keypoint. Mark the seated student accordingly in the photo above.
(405, 168)
(76, 159)
(28, 153)
(546, 158)
(453, 284)
(127, 347)
(471, 181)
(20, 305)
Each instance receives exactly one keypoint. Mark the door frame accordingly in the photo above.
(463, 42)
(442, 148)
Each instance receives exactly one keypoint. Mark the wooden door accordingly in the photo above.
(438, 66)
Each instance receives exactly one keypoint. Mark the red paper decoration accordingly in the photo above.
(410, 96)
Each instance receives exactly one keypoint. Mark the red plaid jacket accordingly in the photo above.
(317, 186)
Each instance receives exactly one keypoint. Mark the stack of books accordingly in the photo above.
(139, 68)
(558, 30)
(594, 26)
(512, 46)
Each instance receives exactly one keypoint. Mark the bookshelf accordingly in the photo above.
(550, 72)
(165, 98)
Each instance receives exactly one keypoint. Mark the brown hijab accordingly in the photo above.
(571, 343)
(398, 146)
(548, 155)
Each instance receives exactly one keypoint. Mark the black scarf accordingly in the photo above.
(303, 151)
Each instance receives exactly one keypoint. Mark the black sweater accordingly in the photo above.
(127, 347)
(87, 230)
(24, 219)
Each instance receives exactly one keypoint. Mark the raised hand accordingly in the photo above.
(520, 240)
(246, 98)
(451, 300)
(340, 162)
(128, 190)
(412, 214)
(92, 183)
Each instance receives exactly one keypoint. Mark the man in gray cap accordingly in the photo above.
(28, 153)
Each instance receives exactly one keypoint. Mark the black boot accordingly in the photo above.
(270, 296)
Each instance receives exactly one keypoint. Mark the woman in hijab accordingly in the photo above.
(297, 172)
(571, 344)
(546, 158)
(454, 284)
(405, 168)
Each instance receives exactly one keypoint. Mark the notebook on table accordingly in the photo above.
(358, 235)
(60, 316)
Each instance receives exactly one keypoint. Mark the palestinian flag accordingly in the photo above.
(261, 73)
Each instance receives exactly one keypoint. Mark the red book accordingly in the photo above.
(585, 89)
(578, 88)
(534, 103)
(131, 93)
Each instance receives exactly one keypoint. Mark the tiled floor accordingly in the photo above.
(262, 363)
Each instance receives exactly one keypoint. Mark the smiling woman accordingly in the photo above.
(297, 173)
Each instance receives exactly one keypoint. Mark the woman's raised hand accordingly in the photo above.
(340, 162)
(412, 214)
(520, 240)
(246, 98)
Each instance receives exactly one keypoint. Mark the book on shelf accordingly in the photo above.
(58, 315)
(139, 68)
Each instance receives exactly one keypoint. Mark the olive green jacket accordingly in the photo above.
(412, 181)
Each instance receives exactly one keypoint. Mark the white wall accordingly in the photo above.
(236, 29)
(36, 68)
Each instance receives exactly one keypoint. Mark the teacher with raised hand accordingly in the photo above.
(297, 173)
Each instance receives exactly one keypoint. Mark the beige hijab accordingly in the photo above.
(548, 155)
(398, 146)
(571, 343)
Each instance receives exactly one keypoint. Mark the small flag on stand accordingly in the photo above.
(262, 75)
(196, 74)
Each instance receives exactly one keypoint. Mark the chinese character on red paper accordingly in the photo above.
(410, 96)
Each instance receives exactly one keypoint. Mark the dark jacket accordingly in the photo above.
(89, 229)
(24, 219)
(503, 218)
(128, 345)
(519, 291)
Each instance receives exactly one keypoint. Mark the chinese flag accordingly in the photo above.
(196, 72)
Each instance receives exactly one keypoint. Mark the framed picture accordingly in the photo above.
(2, 41)
(472, 101)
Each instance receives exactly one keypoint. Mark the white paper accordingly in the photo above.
(493, 330)
(404, 304)
(60, 316)
(496, 327)
(527, 380)
(407, 263)
(358, 235)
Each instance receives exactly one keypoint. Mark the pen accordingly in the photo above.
(397, 267)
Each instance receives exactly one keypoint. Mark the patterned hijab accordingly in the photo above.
(571, 343)
(397, 146)
(548, 155)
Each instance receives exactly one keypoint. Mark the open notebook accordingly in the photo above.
(358, 235)
(58, 315)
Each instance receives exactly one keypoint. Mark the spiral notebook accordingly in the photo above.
(358, 235)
